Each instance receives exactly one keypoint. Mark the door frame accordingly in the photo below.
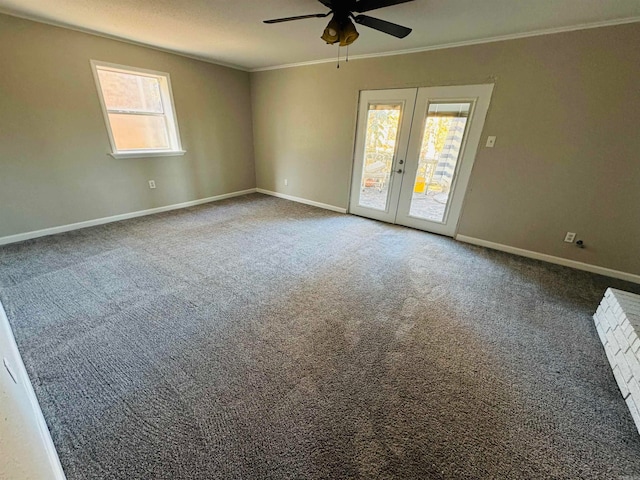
(480, 96)
(407, 97)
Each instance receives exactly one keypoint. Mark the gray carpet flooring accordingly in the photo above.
(256, 338)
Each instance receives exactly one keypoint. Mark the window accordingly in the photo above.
(138, 110)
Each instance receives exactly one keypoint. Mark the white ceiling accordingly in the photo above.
(231, 31)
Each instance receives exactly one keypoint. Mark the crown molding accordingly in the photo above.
(500, 38)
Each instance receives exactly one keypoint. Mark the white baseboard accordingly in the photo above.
(629, 277)
(302, 200)
(115, 218)
(30, 452)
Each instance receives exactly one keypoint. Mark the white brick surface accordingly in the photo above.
(601, 334)
(621, 381)
(634, 389)
(617, 321)
(612, 342)
(611, 320)
(621, 338)
(628, 329)
(634, 363)
(633, 409)
(623, 365)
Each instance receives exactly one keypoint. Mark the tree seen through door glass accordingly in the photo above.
(442, 140)
(380, 145)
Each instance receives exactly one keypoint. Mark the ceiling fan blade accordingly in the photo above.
(383, 26)
(368, 5)
(326, 3)
(301, 17)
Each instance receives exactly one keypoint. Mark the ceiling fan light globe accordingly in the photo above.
(348, 34)
(331, 33)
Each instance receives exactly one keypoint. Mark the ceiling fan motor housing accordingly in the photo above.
(341, 28)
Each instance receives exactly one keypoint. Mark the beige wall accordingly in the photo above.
(54, 167)
(565, 109)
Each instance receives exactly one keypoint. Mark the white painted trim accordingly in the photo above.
(149, 154)
(629, 277)
(35, 454)
(465, 43)
(116, 218)
(479, 98)
(302, 200)
(406, 98)
(514, 36)
(166, 99)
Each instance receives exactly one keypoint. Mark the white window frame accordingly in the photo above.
(166, 95)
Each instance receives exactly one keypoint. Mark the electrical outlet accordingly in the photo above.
(286, 182)
(491, 141)
(570, 237)
(152, 184)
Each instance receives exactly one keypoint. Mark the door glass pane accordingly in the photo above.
(441, 144)
(383, 122)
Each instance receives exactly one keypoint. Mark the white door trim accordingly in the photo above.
(480, 97)
(406, 97)
(408, 144)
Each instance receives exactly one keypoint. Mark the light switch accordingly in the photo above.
(491, 141)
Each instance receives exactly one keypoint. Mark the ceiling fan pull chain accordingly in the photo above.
(347, 54)
(338, 57)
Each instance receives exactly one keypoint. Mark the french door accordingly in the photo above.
(414, 152)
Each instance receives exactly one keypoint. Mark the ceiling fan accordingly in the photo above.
(341, 29)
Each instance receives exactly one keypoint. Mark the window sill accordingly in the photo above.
(149, 153)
